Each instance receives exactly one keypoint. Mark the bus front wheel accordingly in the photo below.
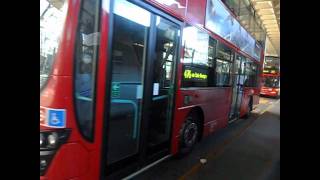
(188, 134)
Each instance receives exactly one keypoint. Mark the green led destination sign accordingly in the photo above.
(269, 71)
(189, 74)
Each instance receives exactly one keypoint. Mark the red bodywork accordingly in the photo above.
(80, 159)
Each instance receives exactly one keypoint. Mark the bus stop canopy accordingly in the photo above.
(269, 13)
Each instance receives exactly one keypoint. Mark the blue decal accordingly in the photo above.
(57, 118)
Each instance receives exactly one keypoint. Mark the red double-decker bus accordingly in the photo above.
(270, 84)
(127, 84)
(271, 77)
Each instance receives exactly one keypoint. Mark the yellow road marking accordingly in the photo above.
(269, 107)
(263, 101)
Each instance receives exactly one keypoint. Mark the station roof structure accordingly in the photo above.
(269, 13)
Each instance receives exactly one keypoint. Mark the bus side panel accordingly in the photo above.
(179, 116)
(244, 102)
(256, 96)
(256, 99)
(216, 107)
(215, 104)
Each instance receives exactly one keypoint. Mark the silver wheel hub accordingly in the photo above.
(190, 134)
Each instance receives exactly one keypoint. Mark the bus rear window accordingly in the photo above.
(52, 17)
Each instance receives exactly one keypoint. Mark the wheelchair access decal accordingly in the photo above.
(56, 118)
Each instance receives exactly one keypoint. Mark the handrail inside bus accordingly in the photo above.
(159, 97)
(120, 101)
(78, 96)
(135, 121)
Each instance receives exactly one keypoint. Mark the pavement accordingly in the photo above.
(248, 149)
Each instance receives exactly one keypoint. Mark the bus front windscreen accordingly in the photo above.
(272, 82)
(52, 18)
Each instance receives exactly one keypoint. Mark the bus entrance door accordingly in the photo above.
(139, 112)
(163, 85)
(237, 90)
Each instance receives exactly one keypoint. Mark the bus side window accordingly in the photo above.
(86, 51)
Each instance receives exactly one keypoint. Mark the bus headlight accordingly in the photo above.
(41, 140)
(53, 139)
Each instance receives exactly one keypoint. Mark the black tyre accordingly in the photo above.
(189, 133)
